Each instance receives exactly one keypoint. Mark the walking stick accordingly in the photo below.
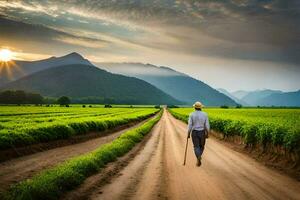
(186, 146)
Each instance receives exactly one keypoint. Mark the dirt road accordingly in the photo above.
(18, 169)
(156, 172)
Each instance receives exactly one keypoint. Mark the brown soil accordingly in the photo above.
(156, 172)
(15, 170)
(282, 161)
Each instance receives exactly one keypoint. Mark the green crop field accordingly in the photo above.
(24, 125)
(51, 183)
(263, 126)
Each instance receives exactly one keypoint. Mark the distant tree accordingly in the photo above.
(224, 106)
(50, 100)
(239, 106)
(172, 106)
(64, 101)
(35, 98)
(20, 97)
(107, 106)
(83, 106)
(157, 106)
(90, 106)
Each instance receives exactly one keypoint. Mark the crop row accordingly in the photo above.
(22, 134)
(13, 122)
(19, 112)
(52, 183)
(263, 127)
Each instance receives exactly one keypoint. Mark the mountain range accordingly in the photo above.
(235, 98)
(281, 99)
(128, 83)
(255, 97)
(20, 69)
(240, 93)
(265, 97)
(80, 82)
(174, 83)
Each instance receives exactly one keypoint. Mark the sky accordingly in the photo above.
(231, 44)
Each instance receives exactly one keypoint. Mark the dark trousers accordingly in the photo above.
(198, 138)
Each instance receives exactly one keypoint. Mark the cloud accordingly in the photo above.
(29, 7)
(20, 32)
(238, 29)
(83, 42)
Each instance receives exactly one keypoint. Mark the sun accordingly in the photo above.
(6, 55)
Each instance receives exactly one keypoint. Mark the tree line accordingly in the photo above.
(22, 97)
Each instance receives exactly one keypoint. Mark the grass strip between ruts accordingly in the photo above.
(52, 183)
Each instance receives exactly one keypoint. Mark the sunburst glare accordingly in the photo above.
(6, 55)
(7, 65)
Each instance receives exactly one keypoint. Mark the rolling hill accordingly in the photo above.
(281, 99)
(239, 101)
(240, 93)
(86, 81)
(176, 84)
(267, 97)
(254, 97)
(20, 69)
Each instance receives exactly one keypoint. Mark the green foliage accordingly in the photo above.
(63, 101)
(21, 126)
(224, 106)
(20, 97)
(172, 106)
(257, 126)
(52, 183)
(239, 106)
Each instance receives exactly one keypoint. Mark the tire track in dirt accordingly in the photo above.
(16, 170)
(133, 180)
(236, 175)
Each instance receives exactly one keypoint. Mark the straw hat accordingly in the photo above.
(197, 105)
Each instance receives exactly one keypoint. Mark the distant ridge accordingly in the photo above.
(240, 93)
(267, 97)
(176, 84)
(23, 68)
(281, 99)
(254, 97)
(85, 81)
(239, 101)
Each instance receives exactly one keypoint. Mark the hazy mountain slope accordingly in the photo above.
(281, 99)
(176, 84)
(253, 98)
(81, 81)
(239, 101)
(240, 93)
(18, 69)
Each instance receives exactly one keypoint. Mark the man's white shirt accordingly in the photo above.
(198, 120)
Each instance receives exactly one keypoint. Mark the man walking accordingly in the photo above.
(198, 126)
